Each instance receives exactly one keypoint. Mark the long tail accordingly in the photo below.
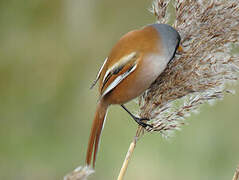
(95, 133)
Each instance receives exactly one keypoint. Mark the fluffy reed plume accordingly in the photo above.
(209, 31)
(159, 9)
(80, 173)
(236, 174)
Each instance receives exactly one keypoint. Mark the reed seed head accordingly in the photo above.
(80, 173)
(209, 32)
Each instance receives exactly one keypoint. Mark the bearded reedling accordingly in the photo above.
(134, 63)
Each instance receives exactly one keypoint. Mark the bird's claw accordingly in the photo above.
(141, 123)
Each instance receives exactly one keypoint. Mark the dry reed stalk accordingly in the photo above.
(129, 153)
(236, 174)
(127, 158)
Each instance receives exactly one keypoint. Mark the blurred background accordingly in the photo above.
(50, 52)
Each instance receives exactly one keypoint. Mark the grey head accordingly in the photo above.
(170, 38)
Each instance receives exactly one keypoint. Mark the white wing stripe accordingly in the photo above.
(98, 75)
(122, 61)
(118, 80)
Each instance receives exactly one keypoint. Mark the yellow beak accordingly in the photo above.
(180, 49)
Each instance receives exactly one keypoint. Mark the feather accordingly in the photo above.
(119, 71)
(119, 65)
(95, 134)
(98, 75)
(118, 79)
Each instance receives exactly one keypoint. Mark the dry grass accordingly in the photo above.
(209, 30)
(80, 173)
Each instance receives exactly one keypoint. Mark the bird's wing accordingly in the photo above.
(118, 72)
(98, 75)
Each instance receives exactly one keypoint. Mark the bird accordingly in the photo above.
(133, 64)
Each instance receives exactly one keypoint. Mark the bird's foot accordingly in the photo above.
(141, 123)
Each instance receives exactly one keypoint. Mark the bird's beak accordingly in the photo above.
(180, 50)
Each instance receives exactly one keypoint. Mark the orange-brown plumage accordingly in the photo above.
(134, 41)
(95, 132)
(133, 64)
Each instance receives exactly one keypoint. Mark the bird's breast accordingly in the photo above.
(151, 67)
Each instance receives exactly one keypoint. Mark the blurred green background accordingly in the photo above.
(50, 52)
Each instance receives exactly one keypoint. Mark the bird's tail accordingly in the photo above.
(95, 133)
